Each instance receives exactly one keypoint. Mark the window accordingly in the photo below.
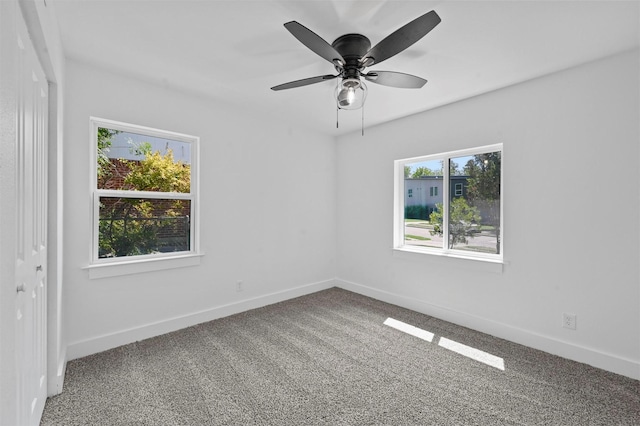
(467, 221)
(144, 193)
(458, 190)
(410, 192)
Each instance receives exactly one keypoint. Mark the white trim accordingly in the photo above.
(126, 265)
(140, 264)
(143, 130)
(398, 204)
(107, 341)
(596, 358)
(502, 201)
(446, 191)
(398, 216)
(458, 153)
(143, 194)
(457, 260)
(55, 380)
(195, 192)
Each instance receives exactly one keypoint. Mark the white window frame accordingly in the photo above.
(101, 267)
(458, 190)
(399, 206)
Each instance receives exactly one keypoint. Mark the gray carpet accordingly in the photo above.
(327, 358)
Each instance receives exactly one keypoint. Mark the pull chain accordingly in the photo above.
(337, 121)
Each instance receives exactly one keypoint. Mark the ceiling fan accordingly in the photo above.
(352, 53)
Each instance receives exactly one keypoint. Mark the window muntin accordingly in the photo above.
(465, 223)
(144, 192)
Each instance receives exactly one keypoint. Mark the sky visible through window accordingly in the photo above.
(123, 144)
(436, 165)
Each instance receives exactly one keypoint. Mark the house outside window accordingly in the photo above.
(467, 222)
(144, 184)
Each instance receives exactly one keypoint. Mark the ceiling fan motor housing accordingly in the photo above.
(352, 47)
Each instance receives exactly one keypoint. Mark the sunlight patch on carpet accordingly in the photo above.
(473, 353)
(409, 329)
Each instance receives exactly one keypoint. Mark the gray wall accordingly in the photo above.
(562, 134)
(279, 242)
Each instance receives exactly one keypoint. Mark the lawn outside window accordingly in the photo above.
(144, 183)
(461, 213)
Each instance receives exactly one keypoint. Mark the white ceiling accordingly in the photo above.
(236, 50)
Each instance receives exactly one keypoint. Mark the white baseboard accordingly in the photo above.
(595, 358)
(55, 382)
(104, 342)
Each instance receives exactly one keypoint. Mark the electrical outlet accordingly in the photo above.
(239, 286)
(569, 321)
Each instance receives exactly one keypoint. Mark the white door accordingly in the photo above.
(31, 244)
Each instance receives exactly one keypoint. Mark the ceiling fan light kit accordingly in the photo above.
(350, 93)
(350, 54)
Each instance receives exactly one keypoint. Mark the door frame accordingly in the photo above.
(43, 31)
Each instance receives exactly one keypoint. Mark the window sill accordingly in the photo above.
(479, 264)
(138, 266)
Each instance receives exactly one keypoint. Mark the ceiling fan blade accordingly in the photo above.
(304, 82)
(400, 39)
(395, 79)
(314, 42)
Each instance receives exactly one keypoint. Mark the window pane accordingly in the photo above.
(474, 208)
(137, 226)
(422, 180)
(138, 162)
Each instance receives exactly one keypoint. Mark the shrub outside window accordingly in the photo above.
(144, 192)
(466, 219)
